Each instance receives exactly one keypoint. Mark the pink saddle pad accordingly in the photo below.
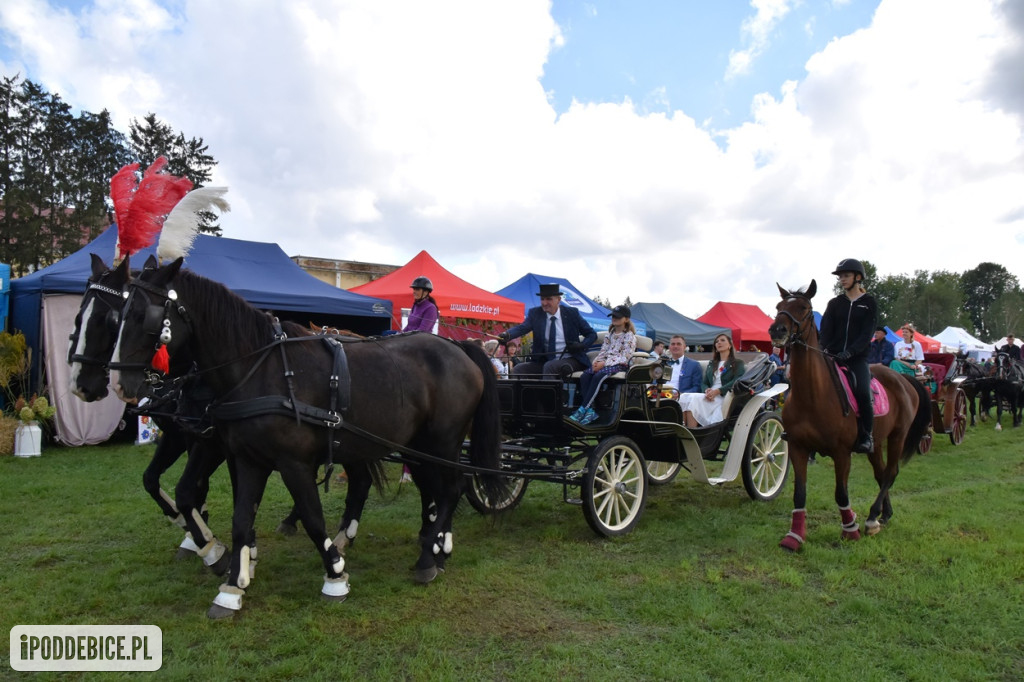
(879, 398)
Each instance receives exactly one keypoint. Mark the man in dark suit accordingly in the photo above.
(686, 374)
(560, 336)
(1011, 349)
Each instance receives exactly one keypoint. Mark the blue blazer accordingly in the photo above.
(689, 375)
(573, 326)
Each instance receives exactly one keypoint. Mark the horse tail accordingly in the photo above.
(485, 435)
(922, 419)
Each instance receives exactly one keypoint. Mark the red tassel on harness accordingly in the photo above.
(161, 360)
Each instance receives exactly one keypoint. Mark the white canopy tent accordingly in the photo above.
(956, 339)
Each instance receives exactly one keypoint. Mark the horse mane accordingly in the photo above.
(227, 306)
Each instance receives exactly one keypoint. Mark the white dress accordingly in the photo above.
(703, 410)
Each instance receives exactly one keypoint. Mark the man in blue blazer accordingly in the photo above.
(560, 336)
(686, 375)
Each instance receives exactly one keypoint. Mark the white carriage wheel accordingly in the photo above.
(614, 487)
(478, 499)
(766, 458)
(662, 473)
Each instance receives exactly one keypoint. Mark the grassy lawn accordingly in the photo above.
(700, 590)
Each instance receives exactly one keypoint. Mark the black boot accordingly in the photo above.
(865, 445)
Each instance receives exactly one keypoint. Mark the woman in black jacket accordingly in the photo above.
(847, 326)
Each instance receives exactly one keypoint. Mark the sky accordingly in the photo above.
(675, 151)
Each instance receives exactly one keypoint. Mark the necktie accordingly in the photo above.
(551, 337)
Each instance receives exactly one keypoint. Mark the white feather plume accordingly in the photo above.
(182, 222)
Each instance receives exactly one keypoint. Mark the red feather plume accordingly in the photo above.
(141, 210)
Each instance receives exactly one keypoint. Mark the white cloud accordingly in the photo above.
(370, 131)
(756, 33)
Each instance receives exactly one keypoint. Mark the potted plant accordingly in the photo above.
(28, 439)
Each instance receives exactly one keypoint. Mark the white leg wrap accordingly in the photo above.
(229, 597)
(198, 518)
(178, 520)
(243, 567)
(447, 543)
(167, 499)
(336, 587)
(252, 563)
(339, 565)
(189, 544)
(352, 529)
(212, 552)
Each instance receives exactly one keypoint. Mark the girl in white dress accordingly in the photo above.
(702, 409)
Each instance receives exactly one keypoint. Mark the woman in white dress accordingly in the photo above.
(702, 409)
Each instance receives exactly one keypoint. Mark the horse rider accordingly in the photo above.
(423, 315)
(847, 326)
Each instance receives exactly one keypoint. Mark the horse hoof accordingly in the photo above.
(850, 535)
(425, 575)
(337, 599)
(287, 529)
(220, 567)
(872, 527)
(218, 612)
(999, 427)
(790, 545)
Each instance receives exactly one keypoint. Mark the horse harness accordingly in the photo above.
(113, 300)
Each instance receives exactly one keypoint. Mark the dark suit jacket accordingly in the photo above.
(575, 328)
(689, 375)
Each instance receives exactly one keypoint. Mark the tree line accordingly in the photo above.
(986, 300)
(55, 170)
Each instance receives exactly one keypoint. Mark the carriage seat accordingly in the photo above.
(753, 364)
(941, 365)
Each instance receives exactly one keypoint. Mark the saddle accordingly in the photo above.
(879, 397)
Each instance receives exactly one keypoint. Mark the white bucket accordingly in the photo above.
(28, 440)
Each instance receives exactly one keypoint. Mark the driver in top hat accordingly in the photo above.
(560, 336)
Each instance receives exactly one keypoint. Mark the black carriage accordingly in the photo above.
(638, 440)
(949, 401)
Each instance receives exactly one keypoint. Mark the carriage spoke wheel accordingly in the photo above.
(959, 425)
(481, 501)
(926, 442)
(766, 458)
(614, 487)
(662, 473)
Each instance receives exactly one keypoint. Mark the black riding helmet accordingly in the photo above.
(850, 265)
(422, 283)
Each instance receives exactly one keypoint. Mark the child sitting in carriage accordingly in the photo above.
(616, 352)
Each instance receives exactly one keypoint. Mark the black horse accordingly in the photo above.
(290, 401)
(92, 343)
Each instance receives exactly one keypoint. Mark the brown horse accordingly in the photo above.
(815, 418)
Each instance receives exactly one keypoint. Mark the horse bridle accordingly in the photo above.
(795, 332)
(113, 300)
(156, 323)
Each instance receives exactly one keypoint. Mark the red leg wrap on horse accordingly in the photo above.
(797, 531)
(851, 530)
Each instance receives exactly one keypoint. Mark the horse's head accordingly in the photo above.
(150, 313)
(794, 320)
(92, 341)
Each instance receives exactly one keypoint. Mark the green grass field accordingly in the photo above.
(700, 590)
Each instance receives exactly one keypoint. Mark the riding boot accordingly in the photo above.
(865, 425)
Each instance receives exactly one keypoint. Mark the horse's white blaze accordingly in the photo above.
(243, 567)
(79, 349)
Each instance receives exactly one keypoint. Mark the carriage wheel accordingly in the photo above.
(959, 426)
(766, 458)
(479, 500)
(662, 473)
(614, 486)
(926, 442)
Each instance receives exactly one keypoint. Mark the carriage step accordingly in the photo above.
(574, 501)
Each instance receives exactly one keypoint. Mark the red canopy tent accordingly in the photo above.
(749, 324)
(455, 297)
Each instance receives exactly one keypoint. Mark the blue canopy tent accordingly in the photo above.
(44, 303)
(526, 288)
(662, 322)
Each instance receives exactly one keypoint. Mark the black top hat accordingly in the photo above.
(549, 290)
(620, 311)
